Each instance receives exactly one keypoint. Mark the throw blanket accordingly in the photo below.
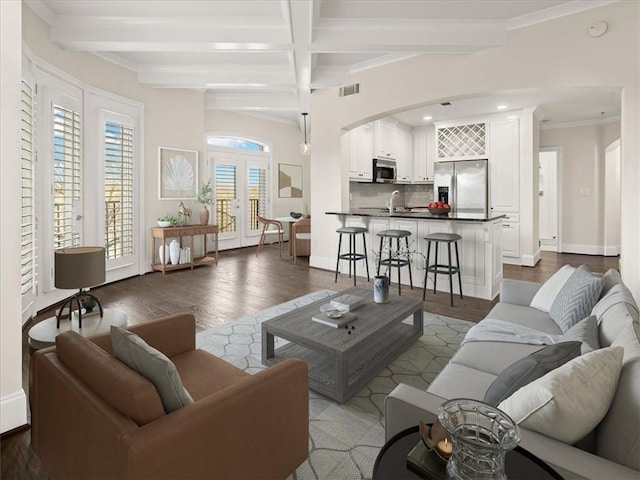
(492, 330)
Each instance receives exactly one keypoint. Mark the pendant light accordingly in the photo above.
(305, 148)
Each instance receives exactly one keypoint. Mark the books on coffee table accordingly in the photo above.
(347, 301)
(334, 322)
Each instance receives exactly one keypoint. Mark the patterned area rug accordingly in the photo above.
(344, 438)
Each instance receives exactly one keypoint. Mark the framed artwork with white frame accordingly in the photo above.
(177, 174)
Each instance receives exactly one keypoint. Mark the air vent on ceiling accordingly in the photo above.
(445, 104)
(350, 90)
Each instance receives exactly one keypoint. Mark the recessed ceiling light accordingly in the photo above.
(427, 117)
(502, 107)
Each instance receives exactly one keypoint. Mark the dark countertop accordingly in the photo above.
(421, 214)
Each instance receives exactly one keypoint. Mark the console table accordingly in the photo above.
(163, 233)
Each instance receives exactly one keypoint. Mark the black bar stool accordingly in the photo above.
(395, 259)
(352, 256)
(437, 268)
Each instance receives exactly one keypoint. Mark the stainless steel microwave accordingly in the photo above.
(384, 170)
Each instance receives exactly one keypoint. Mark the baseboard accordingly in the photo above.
(612, 251)
(531, 260)
(13, 411)
(582, 249)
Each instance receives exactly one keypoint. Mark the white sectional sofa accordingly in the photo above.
(612, 450)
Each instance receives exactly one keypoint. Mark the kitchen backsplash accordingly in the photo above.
(377, 195)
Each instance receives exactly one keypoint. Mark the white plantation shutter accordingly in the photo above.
(118, 190)
(257, 192)
(28, 234)
(225, 196)
(66, 176)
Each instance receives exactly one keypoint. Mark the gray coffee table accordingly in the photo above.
(341, 363)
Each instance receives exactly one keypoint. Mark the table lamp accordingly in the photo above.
(79, 267)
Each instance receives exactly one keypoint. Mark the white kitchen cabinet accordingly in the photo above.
(384, 138)
(404, 157)
(504, 165)
(422, 161)
(360, 147)
(510, 241)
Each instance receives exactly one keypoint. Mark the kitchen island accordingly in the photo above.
(480, 247)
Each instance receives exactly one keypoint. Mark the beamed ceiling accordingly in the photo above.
(266, 56)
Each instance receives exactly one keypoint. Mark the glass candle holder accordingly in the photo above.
(481, 436)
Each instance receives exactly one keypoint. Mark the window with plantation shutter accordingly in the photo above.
(66, 176)
(257, 191)
(118, 189)
(28, 233)
(225, 197)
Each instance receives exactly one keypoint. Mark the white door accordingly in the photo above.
(548, 199)
(241, 186)
(612, 200)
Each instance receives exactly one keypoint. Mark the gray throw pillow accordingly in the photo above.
(585, 331)
(576, 298)
(152, 364)
(530, 368)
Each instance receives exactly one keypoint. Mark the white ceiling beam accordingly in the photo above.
(299, 16)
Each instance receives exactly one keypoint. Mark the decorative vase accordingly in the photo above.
(163, 253)
(174, 251)
(381, 289)
(204, 215)
(481, 436)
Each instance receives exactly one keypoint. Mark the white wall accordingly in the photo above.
(570, 58)
(13, 405)
(284, 139)
(582, 188)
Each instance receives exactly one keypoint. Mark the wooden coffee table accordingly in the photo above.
(341, 363)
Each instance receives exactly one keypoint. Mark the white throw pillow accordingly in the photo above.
(549, 290)
(568, 402)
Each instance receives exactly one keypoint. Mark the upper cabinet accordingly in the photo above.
(422, 157)
(385, 138)
(359, 144)
(404, 157)
(504, 164)
(461, 142)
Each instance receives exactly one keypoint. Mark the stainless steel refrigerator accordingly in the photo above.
(463, 185)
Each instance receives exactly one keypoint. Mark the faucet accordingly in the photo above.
(394, 194)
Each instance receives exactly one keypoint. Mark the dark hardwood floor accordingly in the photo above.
(242, 284)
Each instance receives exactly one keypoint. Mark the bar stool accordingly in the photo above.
(437, 268)
(397, 260)
(352, 256)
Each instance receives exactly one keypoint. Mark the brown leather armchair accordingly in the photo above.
(93, 417)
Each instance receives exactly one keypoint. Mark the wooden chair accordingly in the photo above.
(301, 233)
(267, 230)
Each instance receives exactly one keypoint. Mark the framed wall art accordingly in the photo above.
(289, 181)
(177, 174)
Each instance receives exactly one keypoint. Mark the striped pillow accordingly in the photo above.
(576, 298)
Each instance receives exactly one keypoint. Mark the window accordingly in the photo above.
(257, 196)
(118, 189)
(237, 142)
(225, 196)
(66, 176)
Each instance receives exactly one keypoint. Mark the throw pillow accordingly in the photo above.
(153, 365)
(585, 331)
(530, 368)
(548, 292)
(576, 298)
(568, 402)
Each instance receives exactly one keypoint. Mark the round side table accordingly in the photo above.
(43, 334)
(391, 462)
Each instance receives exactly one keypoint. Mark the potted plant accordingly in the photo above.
(205, 197)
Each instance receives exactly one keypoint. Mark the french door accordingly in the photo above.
(241, 184)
